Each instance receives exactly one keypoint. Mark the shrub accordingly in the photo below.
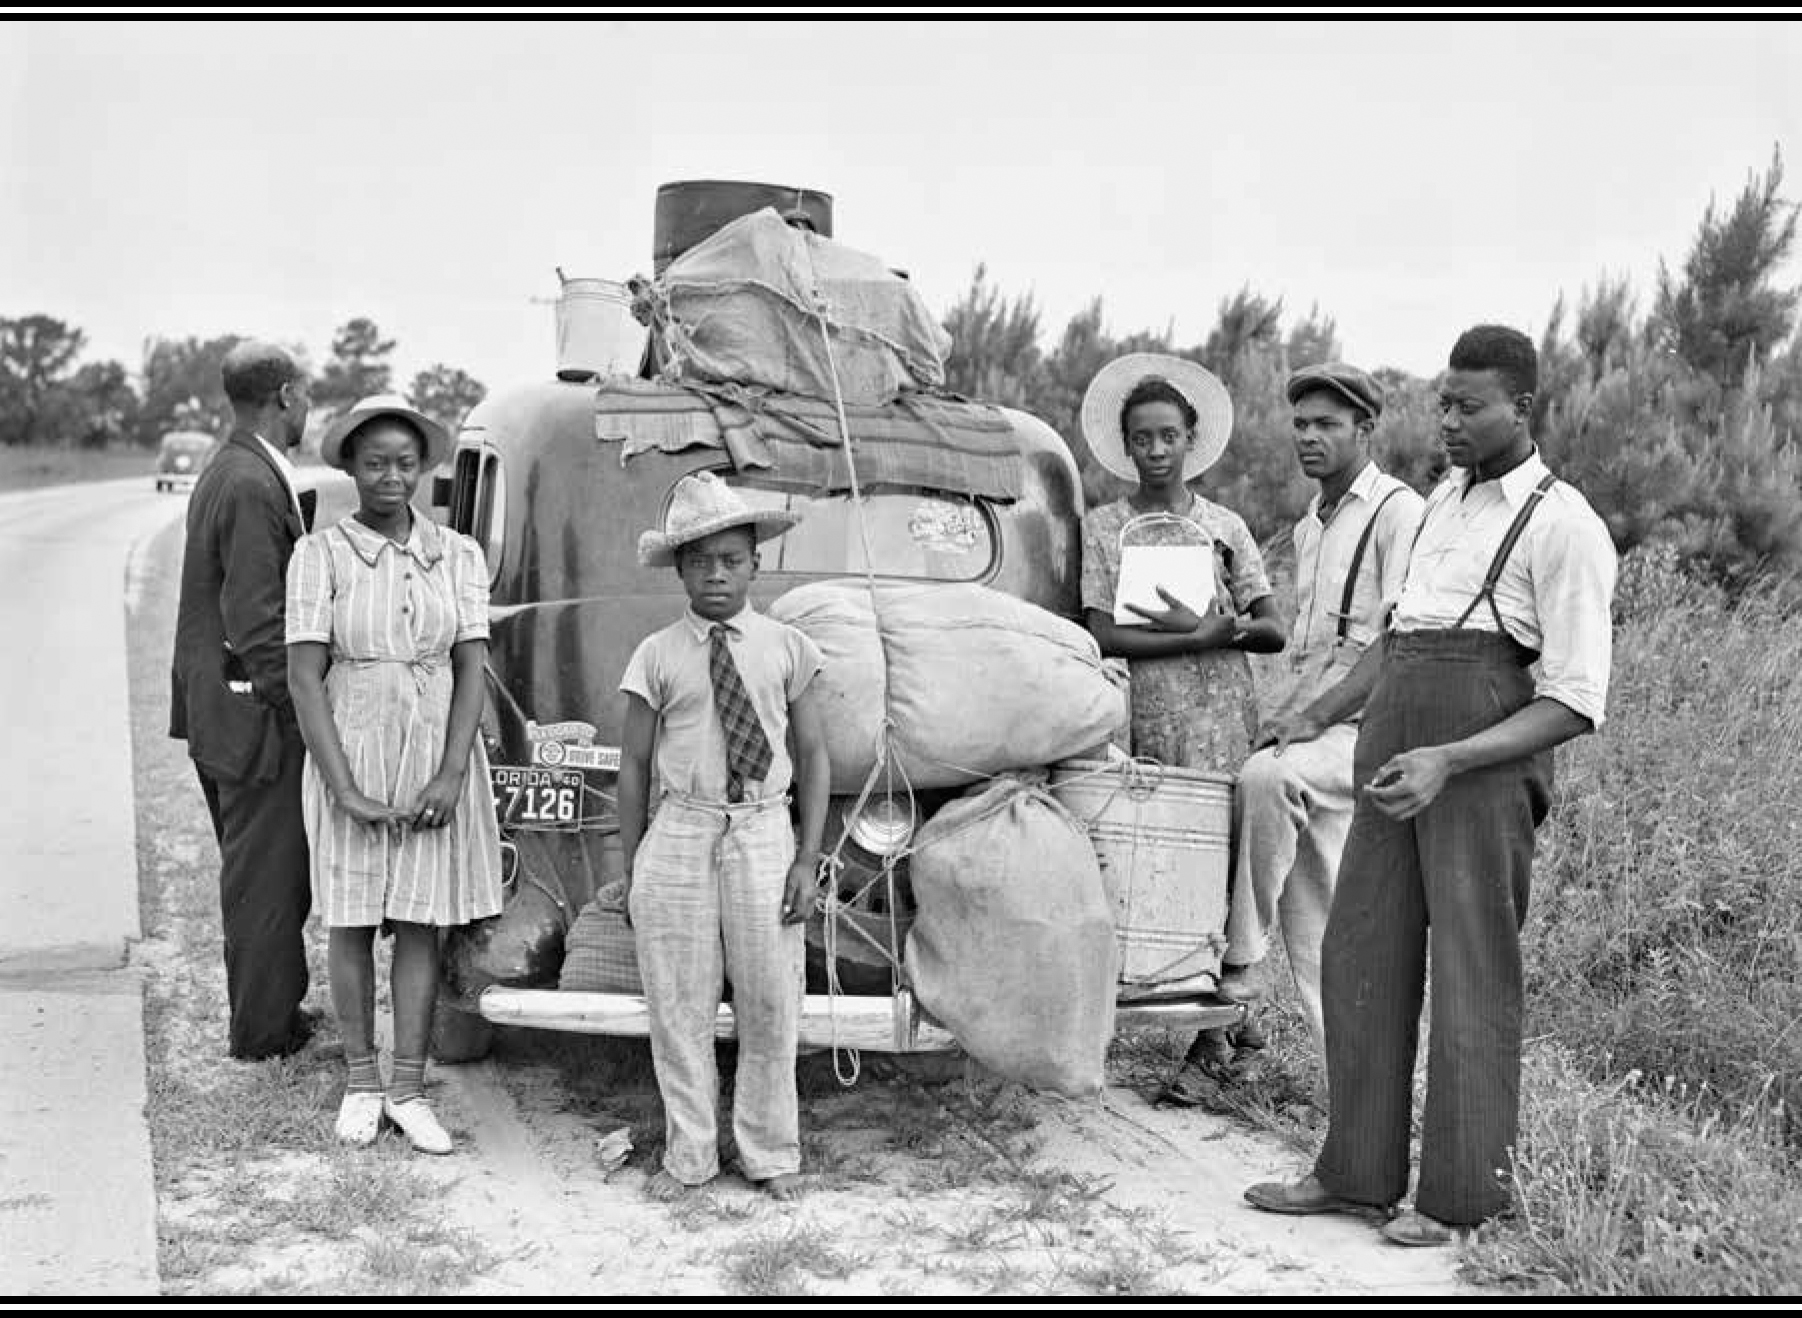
(1637, 1189)
(1667, 931)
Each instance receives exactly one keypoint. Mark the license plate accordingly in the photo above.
(536, 798)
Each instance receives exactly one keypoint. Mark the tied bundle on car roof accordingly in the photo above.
(746, 307)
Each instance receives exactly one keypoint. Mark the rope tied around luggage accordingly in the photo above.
(1137, 777)
(832, 865)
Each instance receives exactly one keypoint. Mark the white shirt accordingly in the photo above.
(1555, 592)
(286, 469)
(1323, 556)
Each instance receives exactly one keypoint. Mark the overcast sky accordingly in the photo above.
(1411, 178)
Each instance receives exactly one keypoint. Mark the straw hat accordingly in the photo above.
(701, 504)
(1113, 382)
(331, 444)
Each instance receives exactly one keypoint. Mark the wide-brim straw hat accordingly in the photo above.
(700, 505)
(1113, 382)
(331, 445)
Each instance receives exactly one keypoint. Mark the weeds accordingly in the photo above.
(784, 1260)
(1667, 936)
(700, 1209)
(1645, 1190)
(1126, 1271)
(431, 1264)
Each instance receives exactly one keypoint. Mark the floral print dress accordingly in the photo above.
(1190, 711)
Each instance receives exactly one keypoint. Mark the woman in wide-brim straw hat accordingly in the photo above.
(387, 631)
(1161, 421)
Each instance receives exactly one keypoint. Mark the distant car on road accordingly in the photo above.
(184, 453)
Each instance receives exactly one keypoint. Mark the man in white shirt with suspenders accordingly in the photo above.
(1294, 797)
(1454, 761)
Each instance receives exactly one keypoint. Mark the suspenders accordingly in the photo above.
(1494, 574)
(1351, 576)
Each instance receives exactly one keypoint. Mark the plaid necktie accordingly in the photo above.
(748, 753)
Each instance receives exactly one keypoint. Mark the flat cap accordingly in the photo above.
(1356, 387)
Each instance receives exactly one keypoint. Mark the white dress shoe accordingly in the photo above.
(416, 1122)
(360, 1117)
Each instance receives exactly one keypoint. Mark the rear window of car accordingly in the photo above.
(915, 533)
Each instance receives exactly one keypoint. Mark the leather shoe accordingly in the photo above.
(1197, 1084)
(1302, 1197)
(359, 1117)
(415, 1120)
(1416, 1228)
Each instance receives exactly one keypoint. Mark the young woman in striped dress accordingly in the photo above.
(387, 631)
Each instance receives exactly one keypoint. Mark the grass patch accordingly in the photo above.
(1645, 1190)
(786, 1259)
(699, 1209)
(33, 467)
(1668, 938)
(987, 1276)
(1124, 1271)
(362, 1189)
(426, 1261)
(183, 1255)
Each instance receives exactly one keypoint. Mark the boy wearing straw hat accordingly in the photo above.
(717, 888)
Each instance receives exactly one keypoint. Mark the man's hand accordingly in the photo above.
(437, 801)
(797, 894)
(1285, 730)
(1408, 783)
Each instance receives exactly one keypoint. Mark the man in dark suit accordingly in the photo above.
(230, 695)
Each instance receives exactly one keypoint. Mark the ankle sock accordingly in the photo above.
(365, 1076)
(408, 1082)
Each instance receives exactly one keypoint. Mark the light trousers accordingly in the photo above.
(706, 905)
(1291, 815)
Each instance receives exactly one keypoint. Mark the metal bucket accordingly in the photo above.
(1164, 839)
(596, 334)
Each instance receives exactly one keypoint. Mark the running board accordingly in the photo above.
(869, 1024)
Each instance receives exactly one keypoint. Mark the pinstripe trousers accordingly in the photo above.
(706, 905)
(1461, 869)
(263, 900)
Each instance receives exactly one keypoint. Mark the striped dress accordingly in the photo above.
(390, 613)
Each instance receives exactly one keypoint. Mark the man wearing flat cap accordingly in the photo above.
(1294, 797)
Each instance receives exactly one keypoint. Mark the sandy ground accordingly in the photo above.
(924, 1180)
